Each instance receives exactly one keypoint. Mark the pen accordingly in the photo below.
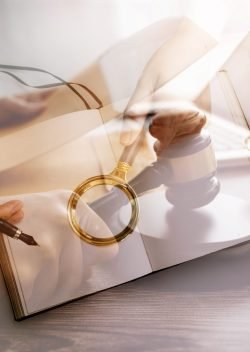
(14, 232)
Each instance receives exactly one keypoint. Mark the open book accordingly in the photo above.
(45, 161)
(64, 267)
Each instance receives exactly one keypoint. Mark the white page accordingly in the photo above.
(60, 260)
(172, 236)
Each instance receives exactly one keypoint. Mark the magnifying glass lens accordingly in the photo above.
(106, 202)
(105, 195)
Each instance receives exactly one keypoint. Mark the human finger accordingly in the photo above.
(16, 217)
(173, 116)
(8, 209)
(191, 126)
(172, 130)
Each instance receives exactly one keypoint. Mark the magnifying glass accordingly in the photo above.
(118, 179)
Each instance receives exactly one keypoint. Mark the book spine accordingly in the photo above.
(10, 281)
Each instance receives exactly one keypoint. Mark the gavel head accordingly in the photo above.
(191, 171)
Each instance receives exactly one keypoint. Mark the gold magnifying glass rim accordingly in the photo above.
(86, 186)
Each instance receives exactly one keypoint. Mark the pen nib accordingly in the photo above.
(28, 239)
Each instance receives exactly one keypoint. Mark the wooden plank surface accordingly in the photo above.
(203, 305)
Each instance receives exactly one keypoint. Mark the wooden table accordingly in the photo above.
(203, 305)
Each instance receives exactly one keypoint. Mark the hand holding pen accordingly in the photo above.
(10, 213)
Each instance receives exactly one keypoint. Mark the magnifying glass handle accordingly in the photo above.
(128, 156)
(130, 152)
(121, 171)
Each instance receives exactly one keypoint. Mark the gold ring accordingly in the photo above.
(85, 186)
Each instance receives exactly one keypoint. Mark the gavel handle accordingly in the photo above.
(149, 178)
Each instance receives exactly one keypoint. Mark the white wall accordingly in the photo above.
(64, 36)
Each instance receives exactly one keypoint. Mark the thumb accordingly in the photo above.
(7, 210)
(133, 121)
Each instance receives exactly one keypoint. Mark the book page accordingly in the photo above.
(172, 234)
(64, 267)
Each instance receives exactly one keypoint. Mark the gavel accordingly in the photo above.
(187, 169)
